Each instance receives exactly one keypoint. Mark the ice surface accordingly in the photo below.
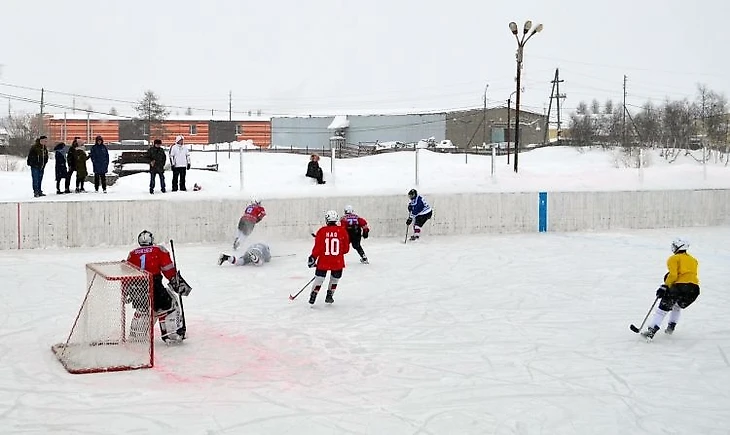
(494, 334)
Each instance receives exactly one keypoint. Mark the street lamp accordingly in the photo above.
(509, 116)
(527, 32)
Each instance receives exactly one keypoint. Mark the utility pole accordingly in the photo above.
(509, 113)
(554, 94)
(230, 105)
(623, 127)
(40, 124)
(484, 123)
(73, 105)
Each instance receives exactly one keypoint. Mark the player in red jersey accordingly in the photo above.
(331, 243)
(156, 260)
(357, 229)
(253, 214)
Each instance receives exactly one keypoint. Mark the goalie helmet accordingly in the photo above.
(331, 217)
(349, 209)
(145, 238)
(412, 194)
(679, 244)
(256, 256)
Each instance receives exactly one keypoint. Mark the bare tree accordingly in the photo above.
(678, 123)
(595, 107)
(712, 108)
(582, 108)
(22, 130)
(608, 106)
(649, 123)
(582, 128)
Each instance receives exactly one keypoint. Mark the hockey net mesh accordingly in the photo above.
(113, 328)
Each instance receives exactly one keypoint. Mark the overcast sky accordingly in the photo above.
(338, 56)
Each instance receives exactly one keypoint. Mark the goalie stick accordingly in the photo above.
(184, 328)
(637, 330)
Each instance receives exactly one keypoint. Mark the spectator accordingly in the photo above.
(157, 158)
(82, 172)
(61, 169)
(100, 161)
(37, 159)
(313, 169)
(180, 163)
(71, 162)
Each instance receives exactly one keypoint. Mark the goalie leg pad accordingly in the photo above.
(139, 328)
(170, 323)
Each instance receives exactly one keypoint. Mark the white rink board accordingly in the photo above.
(117, 223)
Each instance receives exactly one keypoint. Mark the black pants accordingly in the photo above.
(355, 235)
(422, 218)
(178, 173)
(683, 294)
(68, 181)
(161, 299)
(100, 178)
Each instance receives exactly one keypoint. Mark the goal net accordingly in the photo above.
(113, 329)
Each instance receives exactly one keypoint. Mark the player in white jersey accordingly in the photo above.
(256, 254)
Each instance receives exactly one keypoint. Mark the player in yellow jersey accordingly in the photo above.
(681, 287)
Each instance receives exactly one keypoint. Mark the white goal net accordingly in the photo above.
(113, 329)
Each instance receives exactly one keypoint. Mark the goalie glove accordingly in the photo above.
(179, 285)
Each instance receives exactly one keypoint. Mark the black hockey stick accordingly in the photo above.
(184, 328)
(291, 298)
(408, 227)
(637, 330)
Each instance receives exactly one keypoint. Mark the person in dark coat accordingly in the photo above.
(157, 158)
(82, 172)
(61, 169)
(71, 162)
(313, 169)
(99, 155)
(37, 159)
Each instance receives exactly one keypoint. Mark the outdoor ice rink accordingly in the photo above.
(490, 334)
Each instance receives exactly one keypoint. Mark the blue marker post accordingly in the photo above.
(542, 214)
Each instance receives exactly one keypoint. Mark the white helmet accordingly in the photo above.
(679, 244)
(331, 217)
(256, 256)
(145, 238)
(349, 209)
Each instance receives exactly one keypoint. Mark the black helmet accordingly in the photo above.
(412, 193)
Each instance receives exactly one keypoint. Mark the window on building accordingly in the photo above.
(239, 129)
(193, 129)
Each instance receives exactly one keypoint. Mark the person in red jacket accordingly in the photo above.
(156, 260)
(331, 243)
(357, 229)
(252, 215)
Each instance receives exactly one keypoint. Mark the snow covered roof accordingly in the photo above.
(191, 118)
(339, 122)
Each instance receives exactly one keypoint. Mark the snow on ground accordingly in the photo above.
(491, 334)
(272, 175)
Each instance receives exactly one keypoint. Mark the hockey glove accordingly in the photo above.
(409, 221)
(365, 233)
(311, 262)
(188, 166)
(662, 291)
(179, 285)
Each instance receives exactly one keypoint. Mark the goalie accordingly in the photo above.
(156, 260)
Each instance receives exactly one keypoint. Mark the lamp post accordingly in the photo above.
(527, 32)
(484, 122)
(509, 116)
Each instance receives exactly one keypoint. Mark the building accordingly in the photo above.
(4, 137)
(313, 132)
(467, 129)
(196, 130)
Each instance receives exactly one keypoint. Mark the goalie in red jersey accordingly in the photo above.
(331, 243)
(156, 260)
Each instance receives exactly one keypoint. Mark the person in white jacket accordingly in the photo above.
(179, 162)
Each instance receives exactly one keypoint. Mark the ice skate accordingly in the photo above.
(312, 297)
(328, 299)
(364, 260)
(670, 328)
(223, 258)
(413, 238)
(649, 333)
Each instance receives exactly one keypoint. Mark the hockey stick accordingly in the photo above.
(283, 255)
(180, 298)
(637, 330)
(291, 298)
(408, 227)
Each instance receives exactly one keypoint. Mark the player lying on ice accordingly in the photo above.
(257, 254)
